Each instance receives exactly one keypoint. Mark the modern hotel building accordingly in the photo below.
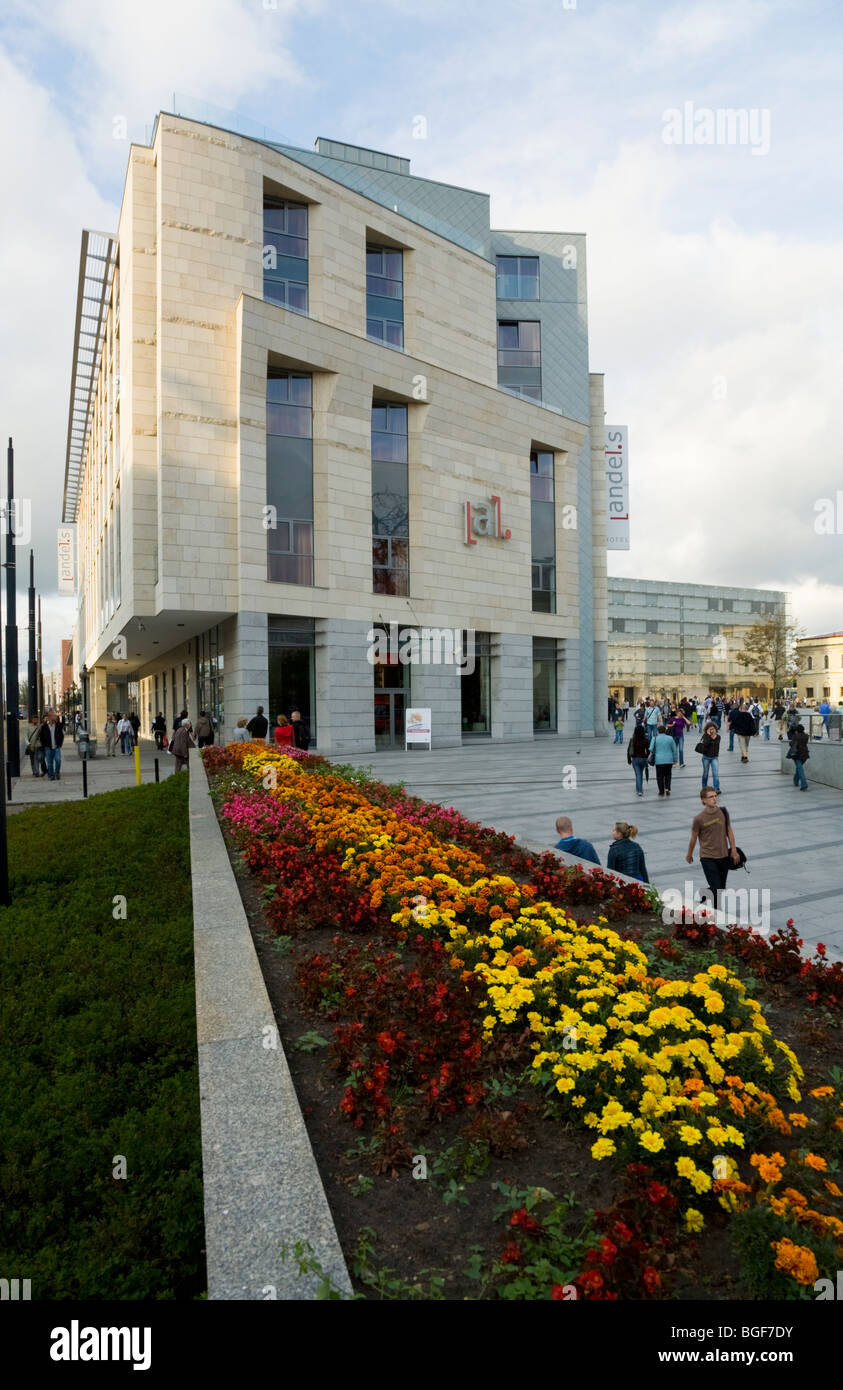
(314, 395)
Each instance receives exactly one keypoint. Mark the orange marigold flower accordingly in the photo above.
(796, 1260)
(795, 1197)
(693, 1085)
(495, 912)
(821, 1092)
(832, 1188)
(814, 1161)
(799, 1120)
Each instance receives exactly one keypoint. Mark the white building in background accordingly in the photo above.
(313, 396)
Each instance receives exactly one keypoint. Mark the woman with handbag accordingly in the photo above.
(709, 747)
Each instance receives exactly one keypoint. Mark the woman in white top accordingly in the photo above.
(241, 733)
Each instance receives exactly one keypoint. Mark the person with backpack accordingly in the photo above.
(301, 732)
(663, 755)
(258, 725)
(624, 856)
(744, 726)
(652, 719)
(712, 827)
(800, 753)
(709, 748)
(637, 754)
(204, 729)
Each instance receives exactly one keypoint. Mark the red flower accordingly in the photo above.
(652, 1278)
(522, 1218)
(557, 1292)
(657, 1192)
(511, 1253)
(820, 949)
(608, 1249)
(591, 1280)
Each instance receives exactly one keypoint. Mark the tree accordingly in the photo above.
(770, 648)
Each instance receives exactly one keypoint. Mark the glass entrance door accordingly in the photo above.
(389, 718)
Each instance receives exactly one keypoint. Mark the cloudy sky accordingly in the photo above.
(715, 270)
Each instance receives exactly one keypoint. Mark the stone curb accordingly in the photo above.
(262, 1189)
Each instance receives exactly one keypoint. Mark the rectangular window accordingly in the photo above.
(809, 692)
(289, 477)
(650, 625)
(385, 295)
(390, 500)
(285, 253)
(544, 685)
(519, 358)
(810, 663)
(517, 277)
(826, 691)
(118, 560)
(825, 663)
(618, 624)
(713, 602)
(543, 529)
(728, 605)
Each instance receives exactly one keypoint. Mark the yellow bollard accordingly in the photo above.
(137, 764)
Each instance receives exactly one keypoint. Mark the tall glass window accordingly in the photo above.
(476, 687)
(292, 676)
(118, 559)
(210, 686)
(519, 358)
(385, 295)
(390, 500)
(544, 685)
(517, 277)
(543, 524)
(289, 476)
(285, 253)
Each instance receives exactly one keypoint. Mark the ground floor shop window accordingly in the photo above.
(210, 678)
(392, 694)
(292, 669)
(476, 686)
(544, 685)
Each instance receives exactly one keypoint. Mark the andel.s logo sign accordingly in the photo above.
(484, 519)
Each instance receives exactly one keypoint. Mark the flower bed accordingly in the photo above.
(476, 962)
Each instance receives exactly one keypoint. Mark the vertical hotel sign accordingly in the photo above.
(617, 487)
(67, 572)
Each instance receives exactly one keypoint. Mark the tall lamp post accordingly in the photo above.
(5, 896)
(84, 674)
(12, 693)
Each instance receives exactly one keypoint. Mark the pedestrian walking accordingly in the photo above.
(625, 856)
(612, 709)
(181, 743)
(718, 851)
(135, 723)
(625, 709)
(30, 745)
(159, 729)
(677, 732)
(652, 719)
(779, 717)
(637, 753)
(284, 733)
(800, 753)
(825, 710)
(730, 724)
(744, 725)
(180, 720)
(709, 747)
(618, 728)
(301, 732)
(241, 733)
(110, 732)
(204, 729)
(570, 843)
(663, 755)
(52, 738)
(258, 725)
(124, 730)
(77, 721)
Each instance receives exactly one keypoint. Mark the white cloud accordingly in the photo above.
(688, 31)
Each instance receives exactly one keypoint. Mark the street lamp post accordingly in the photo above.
(84, 674)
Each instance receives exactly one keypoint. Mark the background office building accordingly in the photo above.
(684, 639)
(821, 674)
(315, 395)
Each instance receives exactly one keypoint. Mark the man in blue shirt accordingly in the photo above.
(572, 844)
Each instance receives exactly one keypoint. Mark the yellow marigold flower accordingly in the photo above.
(578, 1101)
(489, 1021)
(693, 1220)
(591, 1119)
(689, 1135)
(603, 1148)
(565, 1083)
(651, 1141)
(685, 1167)
(814, 1161)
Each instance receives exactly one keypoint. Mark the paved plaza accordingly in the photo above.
(792, 839)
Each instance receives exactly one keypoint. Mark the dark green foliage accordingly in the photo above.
(97, 1017)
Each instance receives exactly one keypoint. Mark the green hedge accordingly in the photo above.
(98, 1055)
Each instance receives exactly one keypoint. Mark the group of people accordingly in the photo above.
(122, 729)
(41, 741)
(711, 829)
(289, 732)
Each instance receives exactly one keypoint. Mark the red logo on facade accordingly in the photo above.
(484, 519)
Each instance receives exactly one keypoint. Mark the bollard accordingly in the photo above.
(157, 778)
(84, 776)
(137, 764)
